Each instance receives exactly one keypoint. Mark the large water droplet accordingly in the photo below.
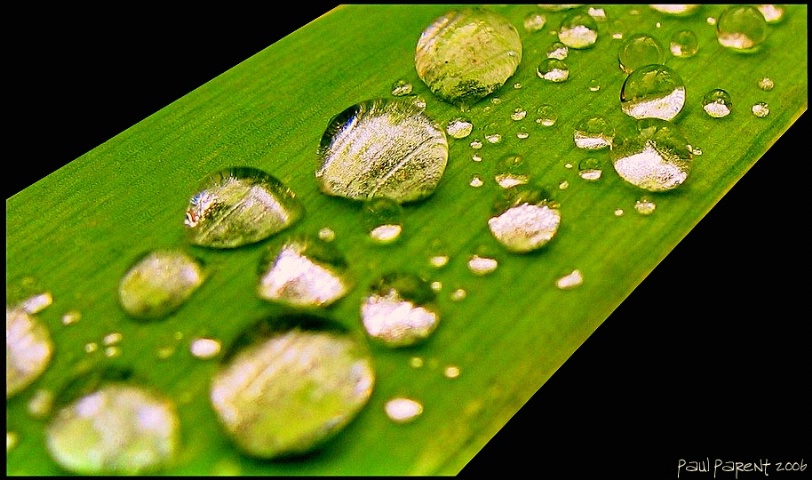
(159, 283)
(402, 409)
(524, 218)
(593, 133)
(678, 10)
(399, 310)
(741, 28)
(290, 383)
(553, 70)
(511, 170)
(381, 217)
(382, 148)
(303, 272)
(29, 349)
(118, 429)
(717, 103)
(639, 50)
(467, 54)
(653, 155)
(684, 44)
(653, 91)
(578, 30)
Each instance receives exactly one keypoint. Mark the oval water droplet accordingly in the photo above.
(741, 28)
(159, 283)
(594, 85)
(653, 91)
(290, 383)
(399, 310)
(482, 265)
(239, 206)
(653, 155)
(303, 272)
(476, 181)
(476, 144)
(578, 30)
(645, 206)
(327, 234)
(205, 348)
(524, 218)
(558, 51)
(29, 350)
(553, 70)
(510, 171)
(533, 22)
(451, 371)
(639, 50)
(518, 114)
(402, 409)
(684, 44)
(760, 109)
(593, 133)
(458, 295)
(677, 10)
(71, 317)
(546, 115)
(401, 88)
(459, 128)
(382, 148)
(766, 83)
(590, 169)
(570, 280)
(467, 54)
(771, 13)
(717, 103)
(381, 217)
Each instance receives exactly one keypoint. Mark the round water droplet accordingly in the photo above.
(557, 50)
(12, 439)
(717, 103)
(71, 317)
(639, 50)
(204, 348)
(476, 158)
(590, 169)
(467, 54)
(619, 212)
(303, 272)
(40, 404)
(677, 10)
(599, 14)
(546, 115)
(118, 429)
(494, 137)
(239, 206)
(771, 13)
(684, 44)
(290, 383)
(159, 283)
(458, 295)
(476, 144)
(653, 155)
(594, 86)
(741, 28)
(29, 349)
(553, 70)
(766, 84)
(593, 133)
(518, 114)
(476, 181)
(402, 409)
(533, 22)
(517, 85)
(459, 128)
(451, 371)
(382, 148)
(112, 338)
(399, 310)
(761, 109)
(578, 30)
(524, 218)
(327, 234)
(510, 171)
(644, 206)
(522, 134)
(653, 91)
(570, 280)
(711, 20)
(401, 88)
(480, 265)
(381, 217)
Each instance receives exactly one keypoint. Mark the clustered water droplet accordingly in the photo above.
(653, 91)
(524, 218)
(558, 51)
(399, 310)
(553, 70)
(593, 133)
(652, 155)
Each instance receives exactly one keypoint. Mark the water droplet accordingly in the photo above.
(111, 352)
(451, 371)
(476, 181)
(327, 234)
(112, 338)
(239, 206)
(496, 100)
(653, 91)
(289, 383)
(91, 347)
(479, 265)
(399, 310)
(522, 134)
(711, 20)
(599, 14)
(547, 115)
(510, 171)
(467, 54)
(684, 44)
(476, 144)
(553, 70)
(158, 283)
(558, 51)
(204, 348)
(654, 155)
(518, 114)
(494, 137)
(12, 439)
(524, 218)
(533, 22)
(381, 148)
(517, 85)
(118, 429)
(593, 133)
(563, 185)
(761, 109)
(717, 103)
(303, 272)
(594, 86)
(401, 88)
(644, 206)
(40, 404)
(29, 349)
(683, 10)
(402, 409)
(590, 169)
(476, 158)
(619, 212)
(71, 317)
(639, 50)
(381, 217)
(741, 28)
(555, 7)
(578, 30)
(416, 362)
(568, 165)
(695, 150)
(37, 303)
(458, 295)
(571, 280)
(439, 261)
(418, 101)
(459, 128)
(766, 84)
(771, 13)
(165, 352)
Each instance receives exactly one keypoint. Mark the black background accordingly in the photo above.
(708, 358)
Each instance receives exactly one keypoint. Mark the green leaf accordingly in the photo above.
(514, 329)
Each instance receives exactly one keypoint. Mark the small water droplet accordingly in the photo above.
(112, 338)
(165, 352)
(204, 348)
(496, 100)
(510, 171)
(547, 115)
(593, 133)
(327, 234)
(771, 13)
(761, 109)
(653, 91)
(111, 352)
(91, 347)
(459, 128)
(12, 439)
(578, 30)
(553, 70)
(639, 50)
(717, 103)
(570, 280)
(476, 181)
(158, 283)
(239, 206)
(458, 295)
(40, 404)
(436, 286)
(517, 85)
(696, 151)
(401, 88)
(29, 350)
(438, 261)
(403, 410)
(118, 429)
(399, 310)
(467, 54)
(677, 10)
(654, 155)
(451, 371)
(476, 158)
(766, 83)
(518, 114)
(594, 86)
(568, 165)
(599, 14)
(558, 51)
(524, 218)
(476, 144)
(494, 137)
(644, 206)
(619, 212)
(711, 20)
(381, 148)
(533, 22)
(741, 28)
(522, 134)
(303, 272)
(684, 44)
(563, 185)
(381, 217)
(479, 265)
(37, 303)
(71, 317)
(590, 169)
(416, 362)
(289, 383)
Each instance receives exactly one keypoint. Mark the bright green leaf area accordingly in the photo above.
(77, 231)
